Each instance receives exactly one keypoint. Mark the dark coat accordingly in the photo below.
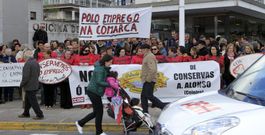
(40, 35)
(9, 59)
(98, 82)
(203, 52)
(30, 75)
(227, 76)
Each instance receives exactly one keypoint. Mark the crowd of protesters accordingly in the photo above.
(128, 51)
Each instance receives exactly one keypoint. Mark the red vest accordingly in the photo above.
(219, 59)
(70, 61)
(41, 56)
(122, 60)
(89, 59)
(137, 59)
(160, 58)
(199, 58)
(174, 59)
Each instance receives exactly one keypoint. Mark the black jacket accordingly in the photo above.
(40, 35)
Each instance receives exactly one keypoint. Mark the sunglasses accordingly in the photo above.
(154, 48)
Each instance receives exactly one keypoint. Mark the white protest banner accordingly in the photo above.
(112, 23)
(11, 74)
(53, 71)
(240, 64)
(175, 80)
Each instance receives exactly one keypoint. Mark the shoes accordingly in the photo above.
(38, 118)
(103, 133)
(23, 116)
(79, 128)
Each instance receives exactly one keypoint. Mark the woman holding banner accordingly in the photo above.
(95, 91)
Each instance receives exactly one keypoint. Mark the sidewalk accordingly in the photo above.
(55, 119)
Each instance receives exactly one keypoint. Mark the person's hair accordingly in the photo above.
(230, 45)
(134, 101)
(182, 49)
(194, 49)
(40, 42)
(14, 46)
(102, 50)
(66, 40)
(61, 45)
(217, 50)
(15, 40)
(28, 54)
(109, 48)
(104, 59)
(250, 46)
(113, 74)
(201, 42)
(173, 49)
(74, 40)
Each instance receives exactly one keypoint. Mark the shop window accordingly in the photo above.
(33, 15)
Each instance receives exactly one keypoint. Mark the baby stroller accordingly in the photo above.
(130, 118)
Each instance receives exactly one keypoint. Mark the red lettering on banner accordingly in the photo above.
(123, 18)
(118, 20)
(86, 30)
(129, 18)
(113, 18)
(103, 29)
(126, 29)
(134, 28)
(105, 18)
(90, 18)
(121, 28)
(136, 18)
(78, 100)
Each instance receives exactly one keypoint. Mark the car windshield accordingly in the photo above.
(250, 86)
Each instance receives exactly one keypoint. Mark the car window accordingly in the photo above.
(251, 82)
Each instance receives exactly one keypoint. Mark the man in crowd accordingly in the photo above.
(30, 83)
(149, 76)
(40, 35)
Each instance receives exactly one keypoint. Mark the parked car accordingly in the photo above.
(237, 110)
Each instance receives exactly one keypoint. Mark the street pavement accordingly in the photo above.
(60, 133)
(55, 119)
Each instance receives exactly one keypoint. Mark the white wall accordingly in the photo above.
(1, 21)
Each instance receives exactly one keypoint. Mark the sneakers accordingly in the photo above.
(103, 133)
(79, 128)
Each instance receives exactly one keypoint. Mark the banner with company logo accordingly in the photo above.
(11, 74)
(111, 23)
(175, 80)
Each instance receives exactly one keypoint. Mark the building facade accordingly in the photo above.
(68, 10)
(14, 22)
(208, 17)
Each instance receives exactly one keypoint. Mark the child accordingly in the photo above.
(135, 103)
(114, 85)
